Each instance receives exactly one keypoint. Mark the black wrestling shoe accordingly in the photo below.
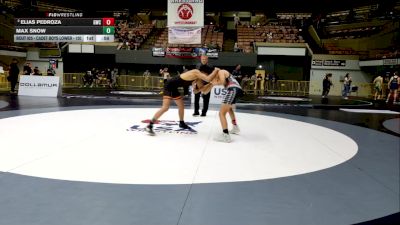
(196, 114)
(150, 130)
(183, 125)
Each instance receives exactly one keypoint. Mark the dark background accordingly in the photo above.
(222, 5)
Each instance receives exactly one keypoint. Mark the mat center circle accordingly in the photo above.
(111, 146)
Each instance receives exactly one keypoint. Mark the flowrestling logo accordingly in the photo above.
(165, 126)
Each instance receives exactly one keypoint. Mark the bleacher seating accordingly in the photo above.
(332, 49)
(351, 33)
(270, 33)
(210, 36)
(381, 54)
(131, 37)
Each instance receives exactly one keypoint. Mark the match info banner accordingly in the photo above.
(185, 13)
(45, 30)
(184, 35)
(32, 22)
(44, 86)
(64, 38)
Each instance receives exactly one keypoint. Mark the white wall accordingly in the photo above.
(360, 78)
(281, 51)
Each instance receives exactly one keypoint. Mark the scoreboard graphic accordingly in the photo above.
(64, 30)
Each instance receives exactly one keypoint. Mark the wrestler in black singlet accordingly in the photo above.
(172, 85)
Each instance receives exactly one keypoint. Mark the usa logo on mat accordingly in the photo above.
(166, 126)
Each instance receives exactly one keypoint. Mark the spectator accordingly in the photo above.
(36, 71)
(146, 79)
(212, 45)
(165, 74)
(236, 47)
(137, 40)
(275, 79)
(236, 20)
(184, 69)
(258, 86)
(252, 83)
(51, 72)
(28, 69)
(378, 87)
(96, 77)
(269, 37)
(216, 28)
(245, 82)
(13, 73)
(218, 47)
(87, 79)
(346, 86)
(237, 73)
(108, 74)
(268, 81)
(114, 77)
(393, 86)
(102, 77)
(272, 79)
(326, 85)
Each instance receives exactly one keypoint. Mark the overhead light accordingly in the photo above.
(260, 66)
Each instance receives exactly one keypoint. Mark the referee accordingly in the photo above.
(205, 67)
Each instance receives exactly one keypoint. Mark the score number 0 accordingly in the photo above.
(108, 21)
(108, 25)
